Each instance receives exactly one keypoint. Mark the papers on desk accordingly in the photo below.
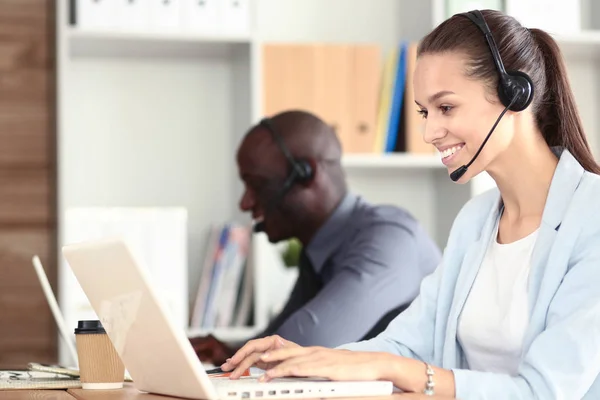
(42, 376)
(26, 379)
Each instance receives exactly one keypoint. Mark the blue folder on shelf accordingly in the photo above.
(397, 99)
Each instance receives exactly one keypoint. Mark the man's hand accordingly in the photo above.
(250, 354)
(211, 350)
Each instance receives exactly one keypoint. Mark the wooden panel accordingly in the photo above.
(28, 332)
(27, 179)
(23, 86)
(17, 247)
(26, 82)
(25, 197)
(27, 329)
(26, 51)
(25, 26)
(24, 136)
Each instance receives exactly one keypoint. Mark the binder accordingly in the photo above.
(165, 15)
(365, 78)
(288, 76)
(338, 83)
(332, 70)
(94, 14)
(235, 16)
(134, 15)
(385, 99)
(397, 100)
(200, 16)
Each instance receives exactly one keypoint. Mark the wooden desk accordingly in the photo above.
(129, 392)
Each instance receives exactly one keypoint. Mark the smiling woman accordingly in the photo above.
(513, 307)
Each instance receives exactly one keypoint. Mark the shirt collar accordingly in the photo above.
(329, 236)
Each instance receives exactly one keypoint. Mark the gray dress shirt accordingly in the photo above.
(364, 261)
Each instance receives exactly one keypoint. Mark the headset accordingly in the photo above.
(301, 171)
(511, 83)
(515, 88)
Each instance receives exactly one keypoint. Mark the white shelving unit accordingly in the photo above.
(149, 119)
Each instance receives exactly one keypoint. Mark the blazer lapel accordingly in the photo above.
(565, 182)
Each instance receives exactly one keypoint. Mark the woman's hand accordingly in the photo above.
(338, 365)
(250, 354)
(281, 358)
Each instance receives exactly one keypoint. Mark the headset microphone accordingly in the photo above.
(459, 172)
(259, 227)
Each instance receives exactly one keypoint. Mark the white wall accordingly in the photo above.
(150, 132)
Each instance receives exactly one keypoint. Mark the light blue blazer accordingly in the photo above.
(561, 352)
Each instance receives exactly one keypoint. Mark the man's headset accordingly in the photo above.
(301, 171)
(515, 88)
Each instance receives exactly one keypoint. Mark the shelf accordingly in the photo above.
(138, 44)
(392, 160)
(226, 334)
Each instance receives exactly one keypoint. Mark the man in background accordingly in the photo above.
(361, 264)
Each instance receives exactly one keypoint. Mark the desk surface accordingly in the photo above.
(129, 392)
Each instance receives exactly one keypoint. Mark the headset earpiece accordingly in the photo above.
(516, 83)
(302, 170)
(305, 171)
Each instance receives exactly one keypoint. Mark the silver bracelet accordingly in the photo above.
(430, 385)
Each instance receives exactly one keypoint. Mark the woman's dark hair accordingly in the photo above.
(532, 51)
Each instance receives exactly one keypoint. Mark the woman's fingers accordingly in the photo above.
(250, 348)
(244, 365)
(287, 353)
(303, 366)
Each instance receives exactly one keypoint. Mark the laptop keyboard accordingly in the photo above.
(225, 382)
(280, 387)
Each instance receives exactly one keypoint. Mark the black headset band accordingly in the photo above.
(268, 125)
(298, 172)
(477, 18)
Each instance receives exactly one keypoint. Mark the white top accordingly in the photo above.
(496, 314)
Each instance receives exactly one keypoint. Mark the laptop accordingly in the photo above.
(51, 299)
(156, 352)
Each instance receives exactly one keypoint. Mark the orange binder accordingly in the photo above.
(339, 83)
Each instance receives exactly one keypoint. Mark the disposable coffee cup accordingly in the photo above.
(100, 366)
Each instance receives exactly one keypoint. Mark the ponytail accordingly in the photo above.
(557, 116)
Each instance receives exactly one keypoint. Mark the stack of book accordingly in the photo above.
(225, 293)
